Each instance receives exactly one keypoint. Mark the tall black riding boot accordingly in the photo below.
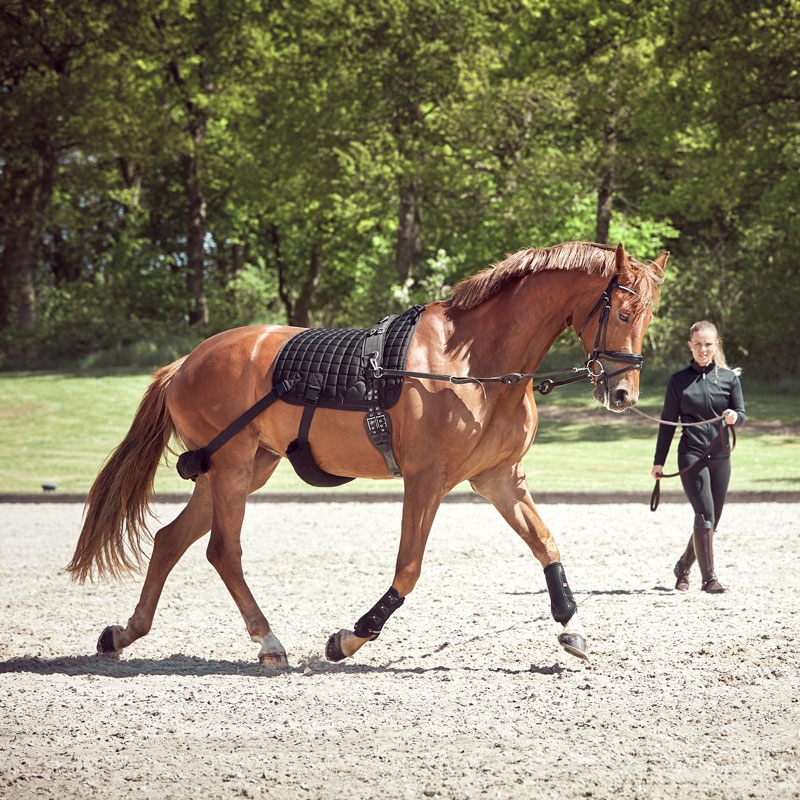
(704, 548)
(683, 565)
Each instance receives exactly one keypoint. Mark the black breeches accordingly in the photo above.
(706, 485)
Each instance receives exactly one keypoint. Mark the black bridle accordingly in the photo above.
(593, 363)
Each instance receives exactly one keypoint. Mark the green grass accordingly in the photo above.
(59, 428)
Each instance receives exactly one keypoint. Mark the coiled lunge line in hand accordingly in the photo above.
(728, 444)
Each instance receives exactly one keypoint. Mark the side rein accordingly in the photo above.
(587, 372)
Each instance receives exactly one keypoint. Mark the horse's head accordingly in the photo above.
(614, 329)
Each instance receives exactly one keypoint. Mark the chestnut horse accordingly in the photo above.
(501, 320)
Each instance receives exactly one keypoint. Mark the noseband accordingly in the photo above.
(593, 363)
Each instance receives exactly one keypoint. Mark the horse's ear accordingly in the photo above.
(622, 263)
(661, 262)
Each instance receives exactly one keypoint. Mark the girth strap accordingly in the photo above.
(377, 423)
(311, 398)
(299, 451)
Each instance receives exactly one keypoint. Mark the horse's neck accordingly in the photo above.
(513, 331)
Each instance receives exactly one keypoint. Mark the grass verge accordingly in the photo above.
(59, 428)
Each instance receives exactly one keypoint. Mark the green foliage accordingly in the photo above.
(297, 127)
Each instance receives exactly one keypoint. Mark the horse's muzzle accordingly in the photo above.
(621, 398)
(616, 390)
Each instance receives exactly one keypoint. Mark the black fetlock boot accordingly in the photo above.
(682, 567)
(703, 546)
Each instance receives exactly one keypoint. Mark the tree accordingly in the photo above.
(220, 163)
(734, 122)
(51, 62)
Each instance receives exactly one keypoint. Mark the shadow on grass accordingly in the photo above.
(553, 432)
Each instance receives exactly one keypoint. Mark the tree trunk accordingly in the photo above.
(197, 123)
(132, 175)
(605, 192)
(30, 189)
(280, 265)
(17, 290)
(409, 231)
(298, 309)
(195, 242)
(238, 256)
(302, 306)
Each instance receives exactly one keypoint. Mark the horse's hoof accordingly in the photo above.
(273, 660)
(271, 653)
(333, 649)
(105, 644)
(574, 644)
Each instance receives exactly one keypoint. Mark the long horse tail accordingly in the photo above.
(118, 504)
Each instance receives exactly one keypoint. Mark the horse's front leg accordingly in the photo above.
(419, 510)
(507, 489)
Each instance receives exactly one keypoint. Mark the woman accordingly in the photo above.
(706, 389)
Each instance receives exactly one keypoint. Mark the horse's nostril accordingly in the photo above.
(619, 397)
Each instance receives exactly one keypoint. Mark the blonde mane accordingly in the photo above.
(593, 259)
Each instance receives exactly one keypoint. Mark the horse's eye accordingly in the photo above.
(624, 316)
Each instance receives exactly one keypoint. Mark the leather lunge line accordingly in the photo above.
(728, 444)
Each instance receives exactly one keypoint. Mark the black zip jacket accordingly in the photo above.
(694, 394)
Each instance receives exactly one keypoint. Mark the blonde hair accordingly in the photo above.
(719, 355)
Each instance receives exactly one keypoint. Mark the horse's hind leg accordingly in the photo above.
(170, 543)
(507, 489)
(231, 482)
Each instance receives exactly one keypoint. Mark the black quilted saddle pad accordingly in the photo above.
(332, 360)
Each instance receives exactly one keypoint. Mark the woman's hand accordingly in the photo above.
(730, 416)
(657, 471)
